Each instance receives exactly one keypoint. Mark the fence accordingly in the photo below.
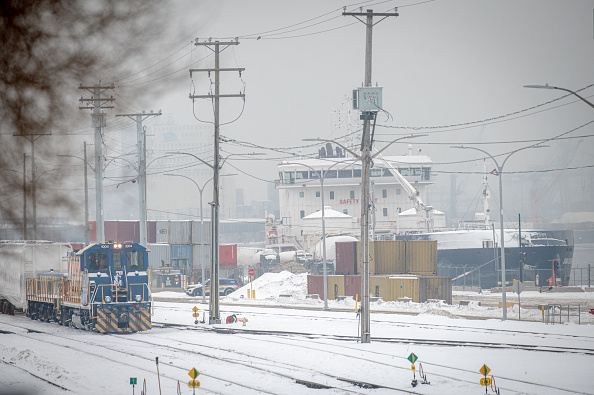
(554, 313)
(581, 276)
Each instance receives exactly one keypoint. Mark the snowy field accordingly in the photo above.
(291, 340)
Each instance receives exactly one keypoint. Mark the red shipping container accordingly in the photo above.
(352, 285)
(346, 257)
(315, 285)
(228, 255)
(151, 230)
(128, 231)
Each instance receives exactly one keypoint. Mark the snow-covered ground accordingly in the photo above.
(289, 338)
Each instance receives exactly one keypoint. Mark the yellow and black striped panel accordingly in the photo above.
(107, 318)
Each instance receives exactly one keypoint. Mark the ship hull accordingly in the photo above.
(481, 266)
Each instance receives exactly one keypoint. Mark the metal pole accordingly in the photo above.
(503, 276)
(589, 267)
(520, 245)
(324, 242)
(202, 246)
(87, 235)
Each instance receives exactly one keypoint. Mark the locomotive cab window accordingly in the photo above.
(97, 261)
(117, 260)
(135, 260)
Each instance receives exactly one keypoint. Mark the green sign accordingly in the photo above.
(133, 380)
(412, 357)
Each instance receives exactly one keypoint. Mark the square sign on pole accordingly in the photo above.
(370, 98)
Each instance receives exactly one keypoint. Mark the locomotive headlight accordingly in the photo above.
(107, 299)
(138, 298)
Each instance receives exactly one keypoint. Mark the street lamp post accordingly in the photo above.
(321, 176)
(214, 316)
(201, 224)
(547, 86)
(502, 239)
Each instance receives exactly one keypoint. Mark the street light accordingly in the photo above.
(201, 225)
(321, 175)
(500, 171)
(547, 86)
(214, 317)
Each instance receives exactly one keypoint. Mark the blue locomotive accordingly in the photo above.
(106, 289)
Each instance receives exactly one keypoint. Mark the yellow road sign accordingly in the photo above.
(484, 370)
(196, 314)
(486, 381)
(193, 383)
(193, 373)
(412, 367)
(195, 309)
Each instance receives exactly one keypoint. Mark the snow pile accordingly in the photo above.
(271, 286)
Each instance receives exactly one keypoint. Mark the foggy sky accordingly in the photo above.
(440, 63)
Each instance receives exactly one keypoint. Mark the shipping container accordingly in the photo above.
(390, 256)
(352, 286)
(181, 257)
(360, 258)
(379, 286)
(151, 231)
(201, 230)
(315, 285)
(162, 232)
(346, 257)
(228, 255)
(180, 232)
(159, 255)
(404, 286)
(421, 257)
(111, 231)
(439, 288)
(335, 286)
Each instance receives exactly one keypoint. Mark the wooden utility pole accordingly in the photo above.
(365, 169)
(98, 122)
(214, 316)
(141, 147)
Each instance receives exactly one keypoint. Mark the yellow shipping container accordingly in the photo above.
(421, 257)
(371, 258)
(390, 256)
(404, 286)
(335, 286)
(380, 286)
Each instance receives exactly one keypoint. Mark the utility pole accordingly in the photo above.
(98, 122)
(141, 147)
(366, 142)
(87, 237)
(32, 137)
(24, 196)
(214, 317)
